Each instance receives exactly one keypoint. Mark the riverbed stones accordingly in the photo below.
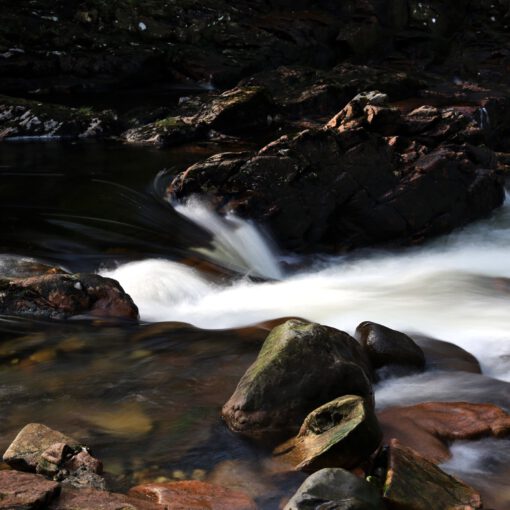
(25, 491)
(430, 427)
(386, 346)
(58, 296)
(309, 365)
(193, 495)
(34, 440)
(414, 483)
(335, 488)
(341, 433)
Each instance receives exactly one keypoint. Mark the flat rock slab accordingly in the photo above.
(341, 433)
(414, 483)
(193, 495)
(91, 499)
(32, 441)
(429, 427)
(25, 491)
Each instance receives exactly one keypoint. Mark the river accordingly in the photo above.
(147, 397)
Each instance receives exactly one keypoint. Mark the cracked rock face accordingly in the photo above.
(372, 175)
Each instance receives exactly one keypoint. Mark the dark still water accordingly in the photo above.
(147, 397)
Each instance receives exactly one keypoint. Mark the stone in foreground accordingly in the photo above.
(335, 489)
(25, 491)
(193, 495)
(33, 440)
(300, 366)
(58, 296)
(341, 433)
(414, 483)
(428, 428)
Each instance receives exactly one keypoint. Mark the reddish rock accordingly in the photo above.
(91, 499)
(58, 296)
(414, 483)
(191, 495)
(25, 491)
(429, 427)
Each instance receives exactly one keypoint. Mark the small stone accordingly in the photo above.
(335, 489)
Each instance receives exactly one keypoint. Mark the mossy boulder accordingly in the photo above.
(301, 366)
(341, 433)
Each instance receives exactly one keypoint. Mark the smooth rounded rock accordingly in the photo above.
(335, 489)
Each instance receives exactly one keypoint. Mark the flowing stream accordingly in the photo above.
(147, 397)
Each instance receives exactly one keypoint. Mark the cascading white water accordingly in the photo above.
(455, 289)
(237, 243)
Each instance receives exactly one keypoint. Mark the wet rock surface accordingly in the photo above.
(414, 483)
(58, 296)
(341, 433)
(381, 176)
(193, 495)
(339, 368)
(430, 428)
(387, 347)
(337, 489)
(25, 491)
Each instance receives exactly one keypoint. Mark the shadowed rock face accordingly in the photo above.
(300, 366)
(58, 296)
(341, 433)
(414, 483)
(371, 176)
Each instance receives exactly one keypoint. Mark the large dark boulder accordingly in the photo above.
(301, 366)
(341, 433)
(371, 176)
(58, 296)
(335, 489)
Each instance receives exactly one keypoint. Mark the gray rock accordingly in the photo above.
(335, 489)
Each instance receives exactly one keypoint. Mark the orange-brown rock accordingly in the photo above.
(414, 483)
(429, 427)
(193, 495)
